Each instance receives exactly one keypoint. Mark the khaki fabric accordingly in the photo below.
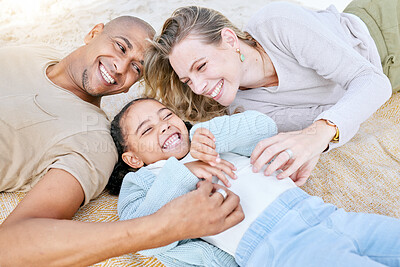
(43, 126)
(364, 174)
(382, 18)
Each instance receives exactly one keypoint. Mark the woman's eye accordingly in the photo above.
(121, 47)
(201, 66)
(186, 82)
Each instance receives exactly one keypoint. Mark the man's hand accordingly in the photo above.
(200, 213)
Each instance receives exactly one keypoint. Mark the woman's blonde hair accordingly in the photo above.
(163, 83)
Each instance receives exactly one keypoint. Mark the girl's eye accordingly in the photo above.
(168, 115)
(146, 131)
(201, 66)
(121, 47)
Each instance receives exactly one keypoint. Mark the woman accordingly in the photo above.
(318, 74)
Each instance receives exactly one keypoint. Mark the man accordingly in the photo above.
(55, 143)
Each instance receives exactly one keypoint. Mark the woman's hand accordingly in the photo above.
(204, 171)
(304, 147)
(301, 175)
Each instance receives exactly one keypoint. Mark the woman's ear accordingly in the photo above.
(132, 160)
(97, 29)
(229, 37)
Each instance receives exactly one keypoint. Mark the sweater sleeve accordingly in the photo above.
(142, 193)
(314, 46)
(196, 252)
(239, 133)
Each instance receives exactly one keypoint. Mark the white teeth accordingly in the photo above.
(171, 140)
(106, 75)
(217, 89)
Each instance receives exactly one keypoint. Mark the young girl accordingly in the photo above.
(283, 226)
(318, 74)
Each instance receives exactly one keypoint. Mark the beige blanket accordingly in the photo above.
(102, 209)
(363, 175)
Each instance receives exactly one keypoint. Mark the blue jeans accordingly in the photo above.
(302, 230)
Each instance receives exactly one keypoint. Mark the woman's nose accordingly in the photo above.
(199, 86)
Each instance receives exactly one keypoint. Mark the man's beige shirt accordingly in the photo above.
(43, 126)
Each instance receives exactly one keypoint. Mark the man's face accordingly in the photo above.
(112, 61)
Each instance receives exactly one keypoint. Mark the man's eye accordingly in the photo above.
(136, 67)
(201, 66)
(121, 47)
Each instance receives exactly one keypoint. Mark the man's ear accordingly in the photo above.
(97, 29)
(132, 160)
(229, 37)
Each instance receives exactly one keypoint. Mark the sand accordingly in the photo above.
(64, 23)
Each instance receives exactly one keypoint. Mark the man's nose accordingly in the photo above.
(121, 64)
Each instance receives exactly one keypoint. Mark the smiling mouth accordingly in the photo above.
(214, 93)
(172, 141)
(106, 76)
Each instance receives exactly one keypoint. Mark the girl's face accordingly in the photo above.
(209, 70)
(153, 133)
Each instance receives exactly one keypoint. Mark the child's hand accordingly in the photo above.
(203, 147)
(204, 171)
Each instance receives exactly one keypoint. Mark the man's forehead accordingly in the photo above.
(134, 38)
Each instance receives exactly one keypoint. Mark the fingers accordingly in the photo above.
(230, 207)
(260, 148)
(227, 163)
(204, 132)
(201, 213)
(205, 187)
(220, 174)
(290, 170)
(205, 155)
(222, 192)
(283, 159)
(289, 151)
(235, 217)
(203, 147)
(227, 168)
(265, 157)
(204, 144)
(231, 198)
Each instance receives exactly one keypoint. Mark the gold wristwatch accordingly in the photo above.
(335, 139)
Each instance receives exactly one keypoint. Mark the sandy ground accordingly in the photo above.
(64, 23)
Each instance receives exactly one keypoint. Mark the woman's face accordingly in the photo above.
(209, 70)
(153, 132)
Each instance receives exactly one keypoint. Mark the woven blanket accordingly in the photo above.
(363, 175)
(102, 209)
